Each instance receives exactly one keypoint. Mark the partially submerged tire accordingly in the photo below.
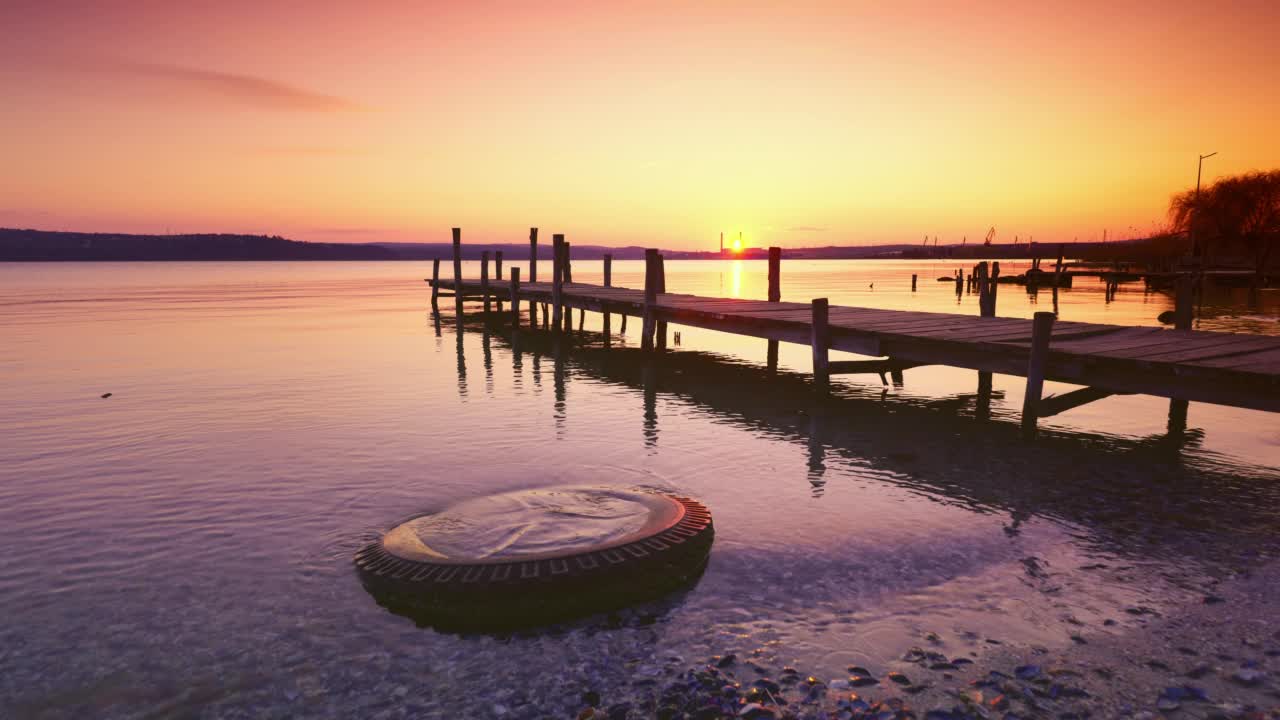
(536, 556)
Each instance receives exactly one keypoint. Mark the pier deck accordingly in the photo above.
(1220, 368)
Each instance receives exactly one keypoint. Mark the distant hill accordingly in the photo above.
(43, 245)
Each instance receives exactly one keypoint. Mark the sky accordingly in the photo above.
(653, 123)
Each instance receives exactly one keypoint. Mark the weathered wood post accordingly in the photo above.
(650, 298)
(533, 276)
(608, 282)
(1057, 278)
(515, 298)
(435, 284)
(1182, 318)
(1182, 308)
(484, 280)
(660, 327)
(457, 271)
(557, 281)
(994, 290)
(1041, 330)
(820, 340)
(497, 277)
(775, 295)
(566, 277)
(913, 282)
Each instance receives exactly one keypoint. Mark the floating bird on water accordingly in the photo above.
(106, 395)
(1168, 317)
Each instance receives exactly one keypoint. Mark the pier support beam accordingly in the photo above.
(650, 298)
(497, 276)
(775, 295)
(608, 282)
(820, 340)
(879, 367)
(661, 325)
(1041, 330)
(515, 298)
(484, 280)
(566, 277)
(435, 284)
(557, 281)
(1055, 404)
(457, 272)
(1182, 318)
(533, 276)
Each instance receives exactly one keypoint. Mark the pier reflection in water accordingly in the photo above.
(1136, 497)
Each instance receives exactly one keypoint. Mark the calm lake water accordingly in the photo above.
(183, 548)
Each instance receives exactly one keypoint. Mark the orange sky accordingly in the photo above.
(637, 123)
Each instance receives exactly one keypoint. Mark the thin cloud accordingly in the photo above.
(806, 228)
(245, 89)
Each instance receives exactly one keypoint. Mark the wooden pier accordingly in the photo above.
(1180, 364)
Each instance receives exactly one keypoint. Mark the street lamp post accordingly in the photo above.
(1195, 241)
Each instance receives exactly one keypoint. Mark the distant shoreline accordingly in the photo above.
(26, 245)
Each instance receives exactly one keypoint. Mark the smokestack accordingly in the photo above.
(721, 242)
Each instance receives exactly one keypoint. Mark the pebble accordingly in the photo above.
(1248, 677)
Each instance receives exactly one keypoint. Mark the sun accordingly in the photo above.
(737, 245)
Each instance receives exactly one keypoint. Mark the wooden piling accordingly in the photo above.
(608, 282)
(1183, 305)
(515, 295)
(533, 276)
(820, 340)
(1041, 330)
(557, 281)
(650, 298)
(566, 271)
(1057, 278)
(913, 282)
(775, 295)
(484, 280)
(457, 271)
(497, 266)
(435, 284)
(660, 327)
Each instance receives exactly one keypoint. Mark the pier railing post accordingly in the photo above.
(435, 284)
(650, 298)
(457, 272)
(820, 340)
(557, 281)
(533, 276)
(1041, 330)
(913, 282)
(515, 298)
(775, 295)
(608, 282)
(484, 280)
(660, 327)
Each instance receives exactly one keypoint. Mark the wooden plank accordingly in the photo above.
(1261, 360)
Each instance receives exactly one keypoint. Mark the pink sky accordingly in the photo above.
(644, 123)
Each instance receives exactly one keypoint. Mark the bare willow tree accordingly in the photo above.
(1241, 212)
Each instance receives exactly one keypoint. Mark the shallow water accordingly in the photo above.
(184, 546)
